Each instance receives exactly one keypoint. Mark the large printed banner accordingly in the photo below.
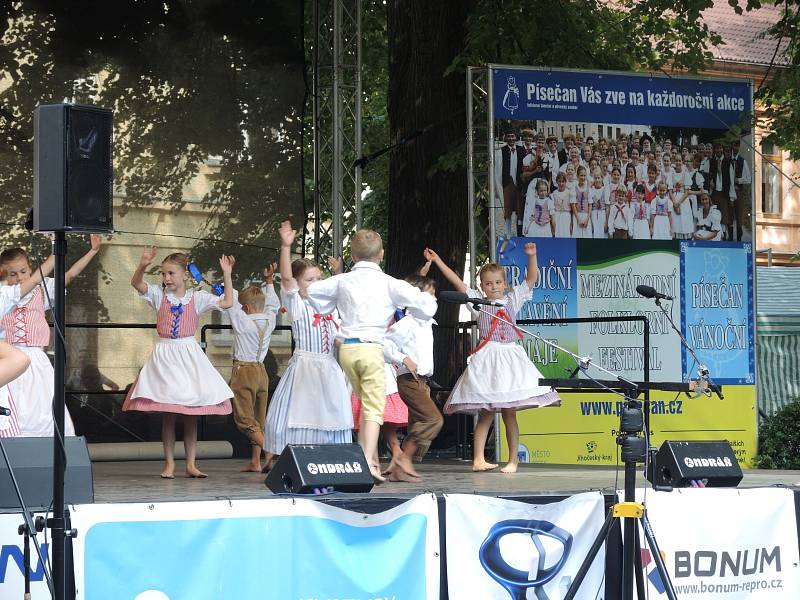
(499, 549)
(723, 544)
(12, 578)
(257, 549)
(618, 98)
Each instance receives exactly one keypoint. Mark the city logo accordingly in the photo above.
(591, 447)
(511, 97)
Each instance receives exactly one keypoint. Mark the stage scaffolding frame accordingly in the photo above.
(336, 93)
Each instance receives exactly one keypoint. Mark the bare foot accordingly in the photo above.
(404, 463)
(195, 473)
(398, 474)
(482, 465)
(510, 468)
(376, 474)
(168, 472)
(251, 468)
(388, 469)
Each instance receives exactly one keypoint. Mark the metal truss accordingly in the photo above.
(337, 126)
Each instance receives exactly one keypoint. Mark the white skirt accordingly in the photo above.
(499, 376)
(661, 228)
(641, 229)
(179, 373)
(33, 397)
(8, 425)
(536, 230)
(315, 383)
(563, 222)
(582, 232)
(599, 224)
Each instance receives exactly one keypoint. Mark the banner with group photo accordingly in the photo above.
(258, 549)
(12, 563)
(621, 180)
(499, 548)
(724, 544)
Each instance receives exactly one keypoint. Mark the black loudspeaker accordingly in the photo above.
(677, 464)
(72, 171)
(32, 461)
(302, 468)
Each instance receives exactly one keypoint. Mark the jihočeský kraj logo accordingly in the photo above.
(524, 555)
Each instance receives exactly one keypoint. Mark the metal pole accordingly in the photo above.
(336, 165)
(473, 238)
(315, 91)
(357, 178)
(57, 523)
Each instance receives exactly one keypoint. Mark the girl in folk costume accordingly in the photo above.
(651, 185)
(667, 173)
(581, 210)
(598, 200)
(640, 227)
(9, 296)
(661, 214)
(311, 404)
(709, 219)
(620, 218)
(539, 218)
(612, 182)
(630, 182)
(683, 203)
(178, 378)
(562, 208)
(26, 328)
(572, 177)
(500, 375)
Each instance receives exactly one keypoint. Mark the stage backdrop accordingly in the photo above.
(711, 282)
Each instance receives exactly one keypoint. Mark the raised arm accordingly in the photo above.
(532, 276)
(80, 264)
(148, 256)
(287, 235)
(226, 264)
(36, 277)
(272, 302)
(448, 273)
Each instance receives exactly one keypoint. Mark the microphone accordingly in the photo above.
(649, 292)
(462, 298)
(6, 412)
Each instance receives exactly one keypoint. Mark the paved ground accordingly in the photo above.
(140, 481)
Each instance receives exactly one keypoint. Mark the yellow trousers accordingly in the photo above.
(363, 366)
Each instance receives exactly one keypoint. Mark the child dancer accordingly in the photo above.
(27, 329)
(640, 227)
(661, 214)
(409, 345)
(178, 378)
(253, 315)
(499, 376)
(311, 404)
(620, 218)
(366, 299)
(581, 210)
(562, 207)
(598, 200)
(538, 221)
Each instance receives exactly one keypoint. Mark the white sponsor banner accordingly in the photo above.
(12, 578)
(724, 544)
(498, 548)
(287, 548)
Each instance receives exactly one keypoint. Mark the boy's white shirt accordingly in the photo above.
(366, 298)
(247, 329)
(413, 338)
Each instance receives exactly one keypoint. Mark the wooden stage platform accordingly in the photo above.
(140, 481)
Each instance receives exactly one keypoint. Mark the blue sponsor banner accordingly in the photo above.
(618, 98)
(717, 310)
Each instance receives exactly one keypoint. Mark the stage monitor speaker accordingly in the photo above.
(72, 170)
(304, 468)
(677, 464)
(32, 461)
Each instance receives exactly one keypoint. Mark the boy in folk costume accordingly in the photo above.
(253, 317)
(367, 299)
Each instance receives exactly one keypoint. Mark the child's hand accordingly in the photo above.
(530, 249)
(287, 234)
(95, 240)
(424, 269)
(430, 255)
(148, 256)
(411, 366)
(226, 263)
(335, 264)
(269, 272)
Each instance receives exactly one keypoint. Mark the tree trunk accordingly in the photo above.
(427, 206)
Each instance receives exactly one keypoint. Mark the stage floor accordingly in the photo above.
(140, 481)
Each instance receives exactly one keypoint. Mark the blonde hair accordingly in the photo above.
(491, 268)
(253, 297)
(366, 245)
(177, 258)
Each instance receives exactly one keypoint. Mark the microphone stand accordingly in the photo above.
(703, 376)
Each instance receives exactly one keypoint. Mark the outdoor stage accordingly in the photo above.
(140, 481)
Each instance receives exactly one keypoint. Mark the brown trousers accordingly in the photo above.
(723, 203)
(424, 418)
(250, 385)
(620, 234)
(513, 201)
